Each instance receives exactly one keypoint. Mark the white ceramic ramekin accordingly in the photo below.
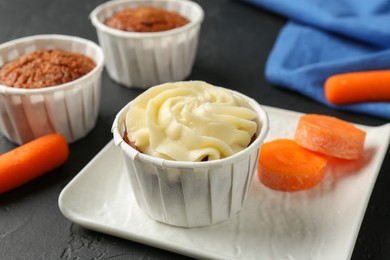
(70, 109)
(144, 59)
(191, 194)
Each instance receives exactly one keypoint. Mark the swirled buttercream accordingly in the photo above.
(190, 121)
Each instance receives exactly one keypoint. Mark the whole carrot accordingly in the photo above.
(356, 87)
(31, 160)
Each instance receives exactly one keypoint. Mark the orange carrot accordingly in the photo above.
(31, 160)
(330, 136)
(286, 166)
(355, 87)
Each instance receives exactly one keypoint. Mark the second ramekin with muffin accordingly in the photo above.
(148, 57)
(190, 150)
(39, 93)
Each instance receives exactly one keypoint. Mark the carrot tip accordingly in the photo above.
(32, 160)
(354, 87)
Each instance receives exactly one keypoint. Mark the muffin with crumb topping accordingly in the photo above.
(49, 83)
(148, 42)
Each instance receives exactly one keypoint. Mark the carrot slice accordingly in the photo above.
(31, 160)
(330, 136)
(286, 166)
(355, 87)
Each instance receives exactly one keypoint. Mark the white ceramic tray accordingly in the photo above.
(321, 223)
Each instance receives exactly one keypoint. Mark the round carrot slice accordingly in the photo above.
(330, 136)
(286, 166)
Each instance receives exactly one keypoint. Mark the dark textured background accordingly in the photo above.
(236, 39)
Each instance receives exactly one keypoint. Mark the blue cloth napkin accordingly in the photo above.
(327, 37)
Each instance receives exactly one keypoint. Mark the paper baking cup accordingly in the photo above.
(191, 194)
(144, 59)
(70, 109)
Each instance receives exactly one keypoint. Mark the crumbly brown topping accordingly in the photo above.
(146, 19)
(45, 68)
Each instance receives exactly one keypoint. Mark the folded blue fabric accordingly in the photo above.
(326, 38)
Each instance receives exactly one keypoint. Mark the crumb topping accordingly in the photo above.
(146, 19)
(45, 68)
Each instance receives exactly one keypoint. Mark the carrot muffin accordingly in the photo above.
(45, 68)
(141, 46)
(198, 160)
(146, 19)
(190, 121)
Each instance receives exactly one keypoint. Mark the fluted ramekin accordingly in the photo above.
(70, 109)
(145, 59)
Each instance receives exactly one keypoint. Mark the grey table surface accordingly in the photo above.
(235, 41)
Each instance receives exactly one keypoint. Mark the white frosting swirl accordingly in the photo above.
(190, 121)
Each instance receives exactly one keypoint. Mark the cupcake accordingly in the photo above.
(148, 42)
(190, 150)
(49, 83)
